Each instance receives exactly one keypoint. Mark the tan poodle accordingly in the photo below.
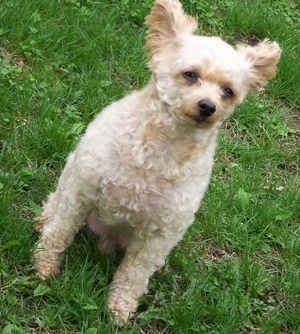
(140, 171)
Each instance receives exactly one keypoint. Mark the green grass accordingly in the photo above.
(237, 269)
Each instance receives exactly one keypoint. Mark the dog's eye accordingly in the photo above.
(227, 92)
(190, 75)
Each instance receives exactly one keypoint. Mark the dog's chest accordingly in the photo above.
(141, 174)
(136, 194)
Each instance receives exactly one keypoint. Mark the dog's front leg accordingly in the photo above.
(143, 257)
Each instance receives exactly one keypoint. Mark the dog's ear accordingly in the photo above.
(262, 62)
(166, 23)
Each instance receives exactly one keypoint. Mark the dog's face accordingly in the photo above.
(202, 79)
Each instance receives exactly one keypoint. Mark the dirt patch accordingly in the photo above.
(156, 328)
(215, 254)
(13, 60)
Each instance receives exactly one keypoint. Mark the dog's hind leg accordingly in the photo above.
(64, 213)
(49, 208)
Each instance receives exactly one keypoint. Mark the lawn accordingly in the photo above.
(238, 268)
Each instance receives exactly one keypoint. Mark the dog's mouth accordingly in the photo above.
(197, 119)
(201, 120)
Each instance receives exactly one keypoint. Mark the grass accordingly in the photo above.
(237, 269)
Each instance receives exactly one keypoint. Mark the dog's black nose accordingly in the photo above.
(206, 108)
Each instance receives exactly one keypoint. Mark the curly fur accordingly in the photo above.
(140, 171)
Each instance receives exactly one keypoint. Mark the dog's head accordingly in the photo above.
(201, 79)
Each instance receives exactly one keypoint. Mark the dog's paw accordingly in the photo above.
(120, 317)
(45, 268)
(121, 307)
(45, 271)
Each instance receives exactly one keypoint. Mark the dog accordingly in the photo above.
(140, 171)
